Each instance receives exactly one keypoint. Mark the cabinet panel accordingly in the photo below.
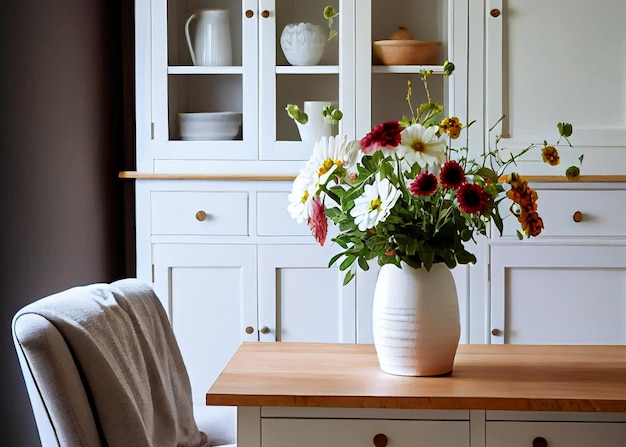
(301, 299)
(567, 80)
(601, 212)
(200, 213)
(557, 434)
(359, 433)
(558, 294)
(210, 294)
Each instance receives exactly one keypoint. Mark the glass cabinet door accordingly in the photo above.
(205, 103)
(287, 77)
(391, 63)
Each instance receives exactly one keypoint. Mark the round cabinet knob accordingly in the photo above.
(540, 442)
(577, 216)
(201, 216)
(495, 332)
(380, 440)
(249, 13)
(265, 13)
(265, 330)
(495, 12)
(249, 330)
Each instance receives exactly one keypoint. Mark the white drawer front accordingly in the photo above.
(273, 219)
(566, 434)
(602, 212)
(200, 213)
(359, 433)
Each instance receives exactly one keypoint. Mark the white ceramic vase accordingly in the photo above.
(416, 320)
(316, 127)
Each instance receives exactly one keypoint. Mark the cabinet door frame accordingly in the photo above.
(554, 254)
(272, 258)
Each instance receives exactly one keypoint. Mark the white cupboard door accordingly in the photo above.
(558, 293)
(180, 86)
(301, 299)
(557, 434)
(210, 294)
(361, 433)
(553, 61)
(281, 83)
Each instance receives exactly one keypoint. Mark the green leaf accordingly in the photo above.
(296, 114)
(347, 262)
(348, 277)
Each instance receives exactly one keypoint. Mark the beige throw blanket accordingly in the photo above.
(133, 371)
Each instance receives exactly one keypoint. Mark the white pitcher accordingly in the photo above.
(211, 37)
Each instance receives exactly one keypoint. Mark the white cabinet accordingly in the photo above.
(526, 429)
(569, 285)
(358, 433)
(230, 265)
(260, 82)
(541, 68)
(210, 294)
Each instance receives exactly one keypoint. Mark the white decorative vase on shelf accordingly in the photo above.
(316, 127)
(416, 320)
(303, 43)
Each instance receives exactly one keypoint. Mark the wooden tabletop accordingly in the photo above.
(488, 377)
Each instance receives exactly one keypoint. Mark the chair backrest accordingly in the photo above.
(102, 367)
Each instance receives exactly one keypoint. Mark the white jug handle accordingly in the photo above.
(193, 56)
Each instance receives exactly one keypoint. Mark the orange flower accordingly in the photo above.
(526, 198)
(550, 155)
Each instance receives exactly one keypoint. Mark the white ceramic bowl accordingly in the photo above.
(303, 43)
(209, 126)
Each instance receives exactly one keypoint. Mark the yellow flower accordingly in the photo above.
(452, 126)
(550, 155)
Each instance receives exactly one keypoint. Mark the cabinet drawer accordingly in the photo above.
(567, 434)
(601, 212)
(200, 213)
(360, 433)
(273, 219)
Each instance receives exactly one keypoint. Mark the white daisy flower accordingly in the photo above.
(421, 145)
(331, 154)
(301, 198)
(374, 205)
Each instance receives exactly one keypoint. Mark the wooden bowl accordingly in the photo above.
(407, 52)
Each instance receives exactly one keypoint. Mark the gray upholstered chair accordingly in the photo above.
(102, 368)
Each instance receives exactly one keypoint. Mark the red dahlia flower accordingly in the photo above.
(452, 175)
(472, 198)
(425, 184)
(317, 221)
(385, 135)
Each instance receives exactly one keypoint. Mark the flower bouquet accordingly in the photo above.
(403, 193)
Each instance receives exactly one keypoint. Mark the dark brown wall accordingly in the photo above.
(65, 132)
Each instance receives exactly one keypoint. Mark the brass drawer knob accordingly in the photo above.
(578, 216)
(380, 440)
(265, 13)
(540, 442)
(249, 330)
(495, 332)
(495, 12)
(201, 216)
(265, 330)
(249, 13)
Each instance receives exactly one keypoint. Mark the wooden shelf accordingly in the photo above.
(240, 177)
(268, 177)
(485, 377)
